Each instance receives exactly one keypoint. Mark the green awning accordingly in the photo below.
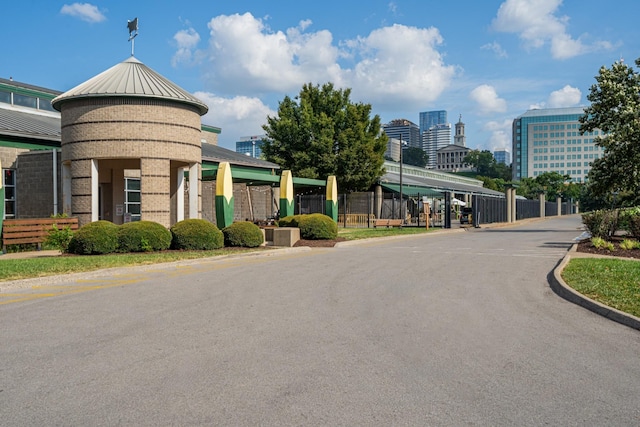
(257, 177)
(412, 190)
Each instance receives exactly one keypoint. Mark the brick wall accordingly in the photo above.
(34, 185)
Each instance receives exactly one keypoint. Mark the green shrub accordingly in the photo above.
(317, 227)
(289, 221)
(196, 234)
(600, 243)
(601, 223)
(143, 236)
(628, 244)
(95, 238)
(244, 234)
(58, 238)
(633, 225)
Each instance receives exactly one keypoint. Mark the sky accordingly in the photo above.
(484, 61)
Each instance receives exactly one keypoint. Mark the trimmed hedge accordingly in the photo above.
(289, 221)
(244, 234)
(143, 236)
(196, 234)
(95, 238)
(317, 227)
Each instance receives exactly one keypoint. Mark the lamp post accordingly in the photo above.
(401, 201)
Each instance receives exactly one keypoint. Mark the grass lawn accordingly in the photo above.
(613, 282)
(15, 269)
(366, 233)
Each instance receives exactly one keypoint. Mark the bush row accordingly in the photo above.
(104, 237)
(605, 223)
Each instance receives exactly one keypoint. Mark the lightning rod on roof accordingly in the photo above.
(133, 32)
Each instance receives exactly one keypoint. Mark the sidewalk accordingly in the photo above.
(29, 254)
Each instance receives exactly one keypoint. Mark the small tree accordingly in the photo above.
(615, 112)
(415, 156)
(321, 132)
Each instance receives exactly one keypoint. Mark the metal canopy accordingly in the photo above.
(412, 190)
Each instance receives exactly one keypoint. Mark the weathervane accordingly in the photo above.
(133, 32)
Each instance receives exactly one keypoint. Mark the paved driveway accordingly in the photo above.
(444, 329)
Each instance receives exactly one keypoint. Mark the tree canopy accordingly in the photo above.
(321, 132)
(415, 156)
(485, 165)
(615, 111)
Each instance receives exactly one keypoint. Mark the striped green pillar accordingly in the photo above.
(224, 196)
(286, 194)
(331, 204)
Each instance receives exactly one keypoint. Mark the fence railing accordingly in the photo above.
(356, 210)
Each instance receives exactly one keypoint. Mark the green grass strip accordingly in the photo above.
(15, 269)
(613, 282)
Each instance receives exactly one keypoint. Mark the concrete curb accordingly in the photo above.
(6, 286)
(565, 291)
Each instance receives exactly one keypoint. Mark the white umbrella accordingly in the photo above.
(458, 202)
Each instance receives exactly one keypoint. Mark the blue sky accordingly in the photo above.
(489, 61)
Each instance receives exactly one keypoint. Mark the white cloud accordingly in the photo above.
(537, 23)
(566, 97)
(85, 11)
(238, 116)
(186, 42)
(247, 59)
(488, 100)
(245, 56)
(500, 135)
(400, 65)
(495, 48)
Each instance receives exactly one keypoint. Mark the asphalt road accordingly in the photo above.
(433, 330)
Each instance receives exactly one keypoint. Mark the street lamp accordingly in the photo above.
(401, 201)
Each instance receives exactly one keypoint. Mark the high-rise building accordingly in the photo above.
(433, 139)
(549, 140)
(403, 129)
(432, 118)
(250, 145)
(502, 156)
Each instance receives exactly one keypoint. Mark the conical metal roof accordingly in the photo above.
(130, 78)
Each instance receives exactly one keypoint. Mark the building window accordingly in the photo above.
(9, 185)
(25, 100)
(5, 97)
(132, 198)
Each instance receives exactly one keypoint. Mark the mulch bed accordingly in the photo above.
(587, 247)
(319, 243)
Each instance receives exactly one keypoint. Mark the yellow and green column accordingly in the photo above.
(331, 203)
(224, 196)
(286, 194)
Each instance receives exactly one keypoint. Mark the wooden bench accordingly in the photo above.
(387, 223)
(35, 230)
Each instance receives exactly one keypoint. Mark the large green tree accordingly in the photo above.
(415, 156)
(321, 132)
(482, 161)
(615, 111)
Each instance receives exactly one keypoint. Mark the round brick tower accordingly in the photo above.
(130, 124)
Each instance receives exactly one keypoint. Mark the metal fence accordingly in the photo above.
(358, 209)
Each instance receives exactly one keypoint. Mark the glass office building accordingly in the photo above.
(549, 140)
(250, 145)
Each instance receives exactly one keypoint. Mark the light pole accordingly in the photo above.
(401, 201)
(253, 144)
